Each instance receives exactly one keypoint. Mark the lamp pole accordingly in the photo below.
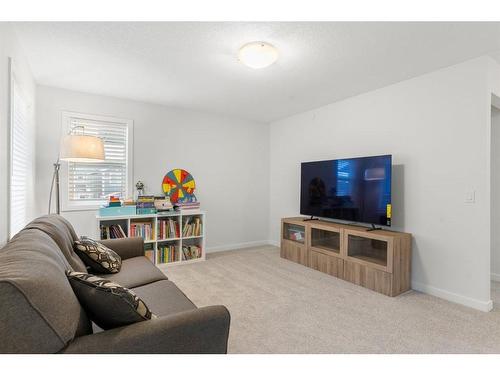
(57, 166)
(55, 179)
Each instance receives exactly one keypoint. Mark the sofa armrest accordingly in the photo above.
(198, 331)
(126, 247)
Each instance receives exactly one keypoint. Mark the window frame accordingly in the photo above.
(66, 204)
(16, 83)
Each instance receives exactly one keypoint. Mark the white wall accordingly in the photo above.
(495, 194)
(436, 128)
(10, 48)
(227, 157)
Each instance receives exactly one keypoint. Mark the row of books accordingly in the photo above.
(112, 231)
(168, 228)
(170, 253)
(114, 201)
(167, 254)
(145, 205)
(192, 227)
(191, 252)
(150, 204)
(144, 230)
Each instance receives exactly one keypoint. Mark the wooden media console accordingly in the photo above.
(379, 260)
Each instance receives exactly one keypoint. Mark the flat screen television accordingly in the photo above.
(355, 190)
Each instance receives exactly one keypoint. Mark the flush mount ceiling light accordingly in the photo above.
(257, 55)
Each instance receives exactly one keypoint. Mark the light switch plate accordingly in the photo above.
(470, 196)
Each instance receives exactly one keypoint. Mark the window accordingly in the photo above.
(344, 178)
(88, 185)
(21, 157)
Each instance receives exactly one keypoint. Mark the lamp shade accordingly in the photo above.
(82, 148)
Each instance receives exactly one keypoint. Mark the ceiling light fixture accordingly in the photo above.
(257, 55)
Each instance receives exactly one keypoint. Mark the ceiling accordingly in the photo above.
(193, 64)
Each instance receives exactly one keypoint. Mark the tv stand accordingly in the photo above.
(373, 228)
(379, 260)
(311, 218)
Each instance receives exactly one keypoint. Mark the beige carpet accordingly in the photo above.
(278, 306)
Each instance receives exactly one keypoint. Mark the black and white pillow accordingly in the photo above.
(98, 257)
(109, 305)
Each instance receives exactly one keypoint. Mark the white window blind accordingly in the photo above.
(95, 182)
(21, 163)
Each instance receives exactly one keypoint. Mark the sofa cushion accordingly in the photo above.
(98, 257)
(40, 312)
(136, 272)
(164, 298)
(108, 304)
(63, 234)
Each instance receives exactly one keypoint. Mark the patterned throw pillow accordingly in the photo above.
(108, 304)
(98, 257)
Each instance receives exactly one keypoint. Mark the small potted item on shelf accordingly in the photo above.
(140, 188)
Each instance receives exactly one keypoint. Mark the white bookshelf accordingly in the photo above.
(126, 221)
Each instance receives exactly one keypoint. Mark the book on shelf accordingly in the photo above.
(112, 231)
(142, 229)
(128, 202)
(191, 252)
(163, 203)
(186, 206)
(192, 227)
(145, 205)
(167, 253)
(296, 235)
(114, 201)
(149, 252)
(168, 228)
(146, 199)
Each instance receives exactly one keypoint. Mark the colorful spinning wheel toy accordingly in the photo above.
(178, 184)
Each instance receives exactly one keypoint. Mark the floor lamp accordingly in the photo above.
(79, 148)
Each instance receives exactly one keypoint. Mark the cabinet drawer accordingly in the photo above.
(331, 265)
(294, 251)
(368, 277)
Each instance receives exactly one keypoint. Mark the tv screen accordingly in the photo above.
(357, 190)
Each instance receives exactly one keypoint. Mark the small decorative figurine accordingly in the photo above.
(140, 188)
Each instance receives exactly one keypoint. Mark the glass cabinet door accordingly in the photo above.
(325, 240)
(294, 232)
(367, 249)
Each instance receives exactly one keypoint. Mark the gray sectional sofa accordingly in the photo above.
(39, 313)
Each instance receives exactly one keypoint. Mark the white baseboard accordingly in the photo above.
(241, 245)
(453, 297)
(495, 276)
